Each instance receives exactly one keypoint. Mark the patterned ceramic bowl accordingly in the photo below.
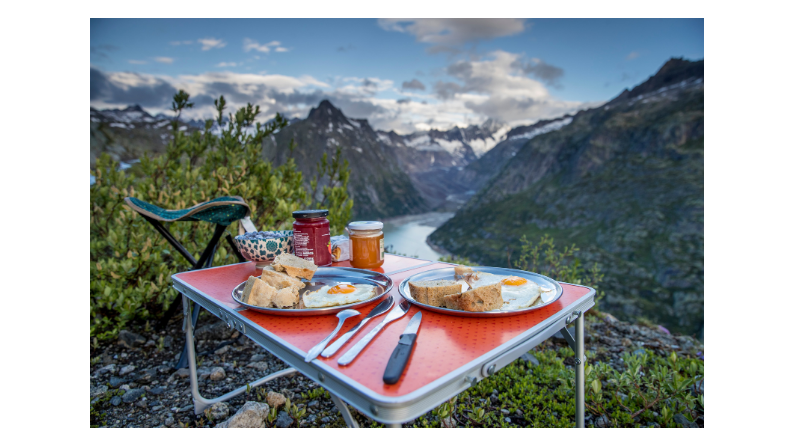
(263, 251)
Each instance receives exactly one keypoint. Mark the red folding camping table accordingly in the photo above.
(451, 353)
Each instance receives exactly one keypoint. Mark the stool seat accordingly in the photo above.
(221, 210)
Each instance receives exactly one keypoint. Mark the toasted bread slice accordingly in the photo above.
(484, 298)
(281, 280)
(452, 301)
(286, 297)
(258, 292)
(431, 292)
(462, 270)
(294, 266)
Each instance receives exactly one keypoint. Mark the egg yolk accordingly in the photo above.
(514, 281)
(341, 289)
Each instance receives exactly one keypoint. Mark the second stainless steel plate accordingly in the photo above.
(327, 276)
(448, 274)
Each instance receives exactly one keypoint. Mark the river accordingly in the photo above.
(407, 235)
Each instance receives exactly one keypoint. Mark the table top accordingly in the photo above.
(445, 344)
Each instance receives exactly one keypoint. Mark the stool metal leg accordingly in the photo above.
(580, 377)
(199, 402)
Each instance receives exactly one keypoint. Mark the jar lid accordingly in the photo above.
(310, 213)
(364, 225)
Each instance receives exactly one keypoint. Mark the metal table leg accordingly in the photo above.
(199, 402)
(580, 378)
(345, 411)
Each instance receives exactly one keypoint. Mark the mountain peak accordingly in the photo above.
(673, 72)
(325, 108)
(135, 107)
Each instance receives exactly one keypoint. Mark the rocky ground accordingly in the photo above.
(134, 382)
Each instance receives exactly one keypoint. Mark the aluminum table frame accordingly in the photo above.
(391, 411)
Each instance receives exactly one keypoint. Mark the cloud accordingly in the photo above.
(250, 44)
(210, 43)
(100, 51)
(227, 64)
(492, 87)
(167, 60)
(450, 34)
(182, 42)
(137, 62)
(415, 84)
(632, 55)
(541, 70)
(130, 88)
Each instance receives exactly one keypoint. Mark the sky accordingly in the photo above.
(400, 74)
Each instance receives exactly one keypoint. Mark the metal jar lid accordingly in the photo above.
(365, 225)
(310, 213)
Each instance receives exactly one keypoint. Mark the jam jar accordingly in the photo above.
(311, 236)
(366, 240)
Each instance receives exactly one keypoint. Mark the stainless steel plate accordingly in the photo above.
(327, 276)
(448, 274)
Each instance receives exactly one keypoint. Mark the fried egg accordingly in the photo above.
(341, 294)
(517, 292)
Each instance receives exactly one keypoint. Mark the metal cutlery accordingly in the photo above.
(342, 315)
(398, 311)
(401, 354)
(381, 308)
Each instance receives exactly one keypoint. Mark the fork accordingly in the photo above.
(393, 315)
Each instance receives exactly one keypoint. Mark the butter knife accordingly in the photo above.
(381, 308)
(401, 354)
(398, 311)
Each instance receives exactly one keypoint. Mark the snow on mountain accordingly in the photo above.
(549, 127)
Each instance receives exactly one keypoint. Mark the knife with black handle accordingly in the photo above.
(401, 354)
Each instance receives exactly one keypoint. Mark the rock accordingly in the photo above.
(167, 341)
(222, 350)
(602, 421)
(638, 352)
(609, 319)
(276, 400)
(157, 390)
(115, 381)
(519, 413)
(169, 421)
(150, 343)
(141, 403)
(626, 342)
(203, 373)
(124, 387)
(98, 391)
(260, 366)
(216, 331)
(181, 373)
(129, 339)
(449, 422)
(283, 420)
(508, 420)
(252, 414)
(126, 370)
(147, 375)
(133, 395)
(683, 421)
(529, 358)
(313, 403)
(217, 411)
(217, 374)
(116, 400)
(610, 341)
(111, 369)
(257, 358)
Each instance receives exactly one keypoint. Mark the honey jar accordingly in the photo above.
(366, 240)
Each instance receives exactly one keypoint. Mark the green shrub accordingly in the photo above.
(131, 263)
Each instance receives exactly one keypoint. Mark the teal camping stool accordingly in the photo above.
(221, 211)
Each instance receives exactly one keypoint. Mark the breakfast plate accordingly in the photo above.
(550, 290)
(327, 277)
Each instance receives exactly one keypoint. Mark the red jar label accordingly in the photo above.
(312, 242)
